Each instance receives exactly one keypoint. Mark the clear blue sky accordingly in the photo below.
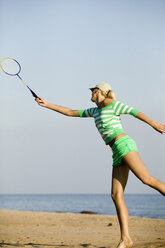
(64, 48)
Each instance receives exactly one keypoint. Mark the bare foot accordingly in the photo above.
(125, 244)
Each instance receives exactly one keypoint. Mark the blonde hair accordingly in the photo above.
(110, 94)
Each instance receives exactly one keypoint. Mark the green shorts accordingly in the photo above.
(121, 147)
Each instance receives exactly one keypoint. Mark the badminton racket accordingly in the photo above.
(12, 68)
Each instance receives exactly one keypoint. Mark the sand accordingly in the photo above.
(42, 229)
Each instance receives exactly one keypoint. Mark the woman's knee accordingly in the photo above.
(147, 180)
(116, 196)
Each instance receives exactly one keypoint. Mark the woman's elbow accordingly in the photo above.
(73, 113)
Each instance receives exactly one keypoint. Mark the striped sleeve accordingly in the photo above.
(87, 112)
(121, 108)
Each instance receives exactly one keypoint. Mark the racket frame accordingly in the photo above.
(17, 74)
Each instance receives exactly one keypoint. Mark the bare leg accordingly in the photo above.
(119, 180)
(136, 165)
(133, 162)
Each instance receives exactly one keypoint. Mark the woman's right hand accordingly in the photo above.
(158, 127)
(41, 102)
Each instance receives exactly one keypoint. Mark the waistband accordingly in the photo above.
(125, 137)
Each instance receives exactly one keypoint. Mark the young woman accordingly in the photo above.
(125, 154)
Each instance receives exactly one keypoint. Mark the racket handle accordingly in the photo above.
(33, 94)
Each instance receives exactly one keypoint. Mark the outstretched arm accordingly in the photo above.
(57, 108)
(156, 125)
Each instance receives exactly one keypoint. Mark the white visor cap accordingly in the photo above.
(105, 87)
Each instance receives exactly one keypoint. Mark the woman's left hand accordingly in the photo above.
(159, 127)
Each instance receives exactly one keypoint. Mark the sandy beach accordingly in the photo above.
(42, 229)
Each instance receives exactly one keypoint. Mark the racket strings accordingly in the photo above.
(10, 66)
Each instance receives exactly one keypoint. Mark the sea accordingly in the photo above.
(141, 205)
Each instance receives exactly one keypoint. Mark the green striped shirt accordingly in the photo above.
(107, 119)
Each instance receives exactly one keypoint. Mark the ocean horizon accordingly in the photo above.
(140, 205)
